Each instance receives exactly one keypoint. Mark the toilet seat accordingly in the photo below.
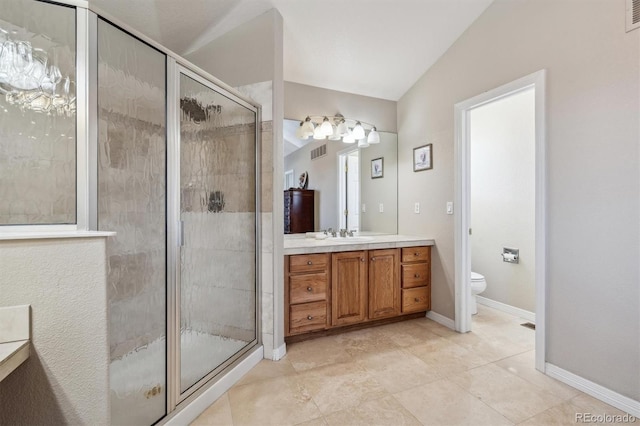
(476, 276)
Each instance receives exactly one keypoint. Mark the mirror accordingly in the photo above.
(370, 195)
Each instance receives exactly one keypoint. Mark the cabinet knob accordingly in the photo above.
(416, 276)
(309, 317)
(362, 259)
(373, 259)
(309, 263)
(309, 289)
(415, 299)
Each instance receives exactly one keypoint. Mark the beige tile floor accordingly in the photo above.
(410, 373)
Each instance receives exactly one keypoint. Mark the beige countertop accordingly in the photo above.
(301, 244)
(14, 338)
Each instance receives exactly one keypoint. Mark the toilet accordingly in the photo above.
(478, 285)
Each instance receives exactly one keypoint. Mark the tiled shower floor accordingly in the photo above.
(410, 373)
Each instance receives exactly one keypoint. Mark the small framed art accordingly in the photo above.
(377, 168)
(422, 158)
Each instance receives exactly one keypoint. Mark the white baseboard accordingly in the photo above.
(529, 316)
(597, 391)
(279, 353)
(189, 413)
(441, 319)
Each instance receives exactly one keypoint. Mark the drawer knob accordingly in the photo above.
(309, 317)
(415, 299)
(416, 276)
(309, 263)
(415, 254)
(309, 289)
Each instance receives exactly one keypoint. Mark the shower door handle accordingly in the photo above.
(181, 233)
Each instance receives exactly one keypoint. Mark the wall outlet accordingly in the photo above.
(381, 208)
(416, 208)
(449, 207)
(364, 208)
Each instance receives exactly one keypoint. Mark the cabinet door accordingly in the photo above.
(384, 283)
(348, 287)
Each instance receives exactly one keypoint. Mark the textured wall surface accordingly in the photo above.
(65, 379)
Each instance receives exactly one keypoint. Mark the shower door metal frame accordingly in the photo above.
(175, 68)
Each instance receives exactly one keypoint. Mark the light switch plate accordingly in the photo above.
(381, 208)
(449, 207)
(416, 208)
(364, 208)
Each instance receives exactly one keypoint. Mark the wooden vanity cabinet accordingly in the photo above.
(306, 293)
(416, 279)
(348, 287)
(384, 283)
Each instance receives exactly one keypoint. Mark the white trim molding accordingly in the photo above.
(279, 352)
(503, 307)
(462, 216)
(597, 391)
(441, 319)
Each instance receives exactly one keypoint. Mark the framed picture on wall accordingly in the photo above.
(377, 166)
(422, 158)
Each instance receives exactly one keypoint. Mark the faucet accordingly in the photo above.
(330, 231)
(343, 233)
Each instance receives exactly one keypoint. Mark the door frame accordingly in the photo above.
(343, 190)
(462, 154)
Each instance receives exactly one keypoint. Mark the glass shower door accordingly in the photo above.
(132, 201)
(217, 276)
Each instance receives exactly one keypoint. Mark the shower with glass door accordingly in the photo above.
(177, 177)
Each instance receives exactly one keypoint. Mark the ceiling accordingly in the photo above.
(376, 48)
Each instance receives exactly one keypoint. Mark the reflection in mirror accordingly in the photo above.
(370, 196)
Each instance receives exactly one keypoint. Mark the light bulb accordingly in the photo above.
(334, 136)
(318, 134)
(308, 128)
(348, 138)
(326, 128)
(358, 131)
(374, 137)
(343, 130)
(300, 131)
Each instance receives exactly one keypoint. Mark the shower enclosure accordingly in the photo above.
(176, 179)
(104, 130)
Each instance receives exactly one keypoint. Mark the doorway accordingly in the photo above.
(349, 189)
(463, 112)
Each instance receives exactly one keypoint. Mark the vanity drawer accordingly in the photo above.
(415, 275)
(416, 299)
(416, 254)
(308, 262)
(305, 288)
(307, 317)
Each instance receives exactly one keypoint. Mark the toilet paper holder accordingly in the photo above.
(510, 255)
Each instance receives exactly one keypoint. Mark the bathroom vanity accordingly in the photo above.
(336, 284)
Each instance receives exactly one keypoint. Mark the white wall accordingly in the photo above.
(503, 197)
(593, 169)
(301, 100)
(65, 379)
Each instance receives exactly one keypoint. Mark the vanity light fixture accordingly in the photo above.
(338, 127)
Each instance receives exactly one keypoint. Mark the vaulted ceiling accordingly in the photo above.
(375, 48)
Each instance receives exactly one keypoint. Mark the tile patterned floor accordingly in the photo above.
(410, 373)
